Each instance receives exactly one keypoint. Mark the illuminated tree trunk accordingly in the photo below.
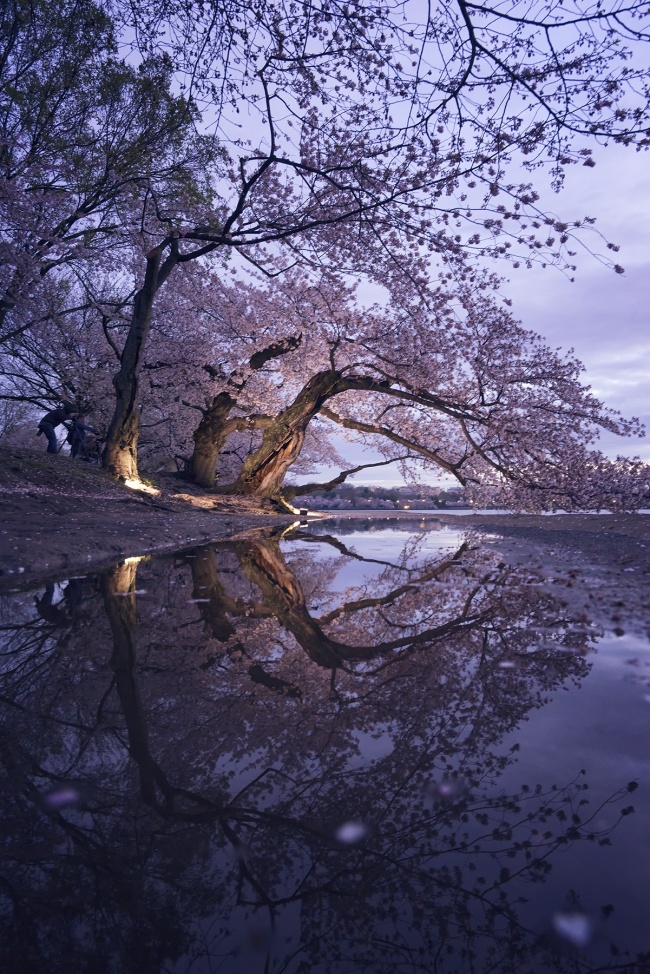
(121, 452)
(214, 428)
(209, 438)
(264, 470)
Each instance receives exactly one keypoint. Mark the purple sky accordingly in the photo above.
(602, 315)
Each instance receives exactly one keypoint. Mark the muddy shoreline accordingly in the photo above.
(58, 517)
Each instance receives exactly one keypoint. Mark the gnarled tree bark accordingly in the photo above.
(215, 426)
(264, 471)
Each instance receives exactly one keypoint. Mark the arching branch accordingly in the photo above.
(296, 490)
(387, 433)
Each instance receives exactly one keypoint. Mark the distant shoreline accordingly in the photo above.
(597, 526)
(461, 512)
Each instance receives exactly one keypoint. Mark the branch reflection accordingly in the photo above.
(244, 757)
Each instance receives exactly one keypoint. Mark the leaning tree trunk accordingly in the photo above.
(121, 451)
(214, 429)
(264, 471)
(209, 438)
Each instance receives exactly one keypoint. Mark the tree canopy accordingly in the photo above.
(151, 153)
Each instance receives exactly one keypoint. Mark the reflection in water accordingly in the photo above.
(240, 760)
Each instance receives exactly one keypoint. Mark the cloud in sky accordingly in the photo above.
(604, 316)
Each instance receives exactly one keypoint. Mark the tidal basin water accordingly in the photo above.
(352, 746)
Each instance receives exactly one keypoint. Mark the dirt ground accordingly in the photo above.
(59, 516)
(598, 566)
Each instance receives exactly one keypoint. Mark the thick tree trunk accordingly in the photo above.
(121, 451)
(214, 429)
(264, 471)
(209, 438)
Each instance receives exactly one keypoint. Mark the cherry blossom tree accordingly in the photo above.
(341, 127)
(453, 384)
(395, 143)
(248, 379)
(85, 137)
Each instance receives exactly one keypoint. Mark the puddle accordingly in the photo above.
(353, 749)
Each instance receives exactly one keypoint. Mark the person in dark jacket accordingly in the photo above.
(53, 419)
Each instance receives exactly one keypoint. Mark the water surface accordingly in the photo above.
(357, 746)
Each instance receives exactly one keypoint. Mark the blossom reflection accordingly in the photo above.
(288, 752)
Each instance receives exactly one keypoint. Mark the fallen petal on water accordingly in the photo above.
(351, 832)
(574, 927)
(64, 797)
(448, 789)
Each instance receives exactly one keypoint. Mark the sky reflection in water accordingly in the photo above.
(360, 748)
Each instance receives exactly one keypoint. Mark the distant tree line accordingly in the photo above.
(382, 498)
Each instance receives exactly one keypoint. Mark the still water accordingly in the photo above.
(357, 746)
